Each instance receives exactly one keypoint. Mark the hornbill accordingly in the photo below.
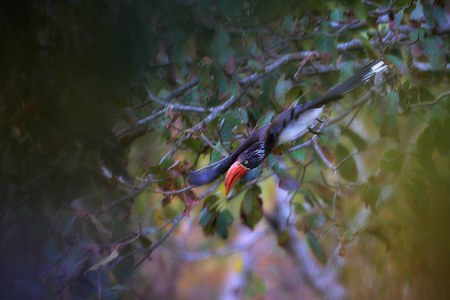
(286, 126)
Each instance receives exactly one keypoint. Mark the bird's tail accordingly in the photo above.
(358, 79)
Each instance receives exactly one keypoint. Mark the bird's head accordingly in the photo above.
(247, 160)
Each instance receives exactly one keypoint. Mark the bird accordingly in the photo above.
(283, 128)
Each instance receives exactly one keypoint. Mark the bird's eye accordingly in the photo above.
(245, 162)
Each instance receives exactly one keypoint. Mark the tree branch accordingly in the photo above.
(179, 107)
(169, 96)
(433, 102)
(321, 278)
(191, 256)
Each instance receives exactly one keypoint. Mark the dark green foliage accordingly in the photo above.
(251, 207)
(316, 247)
(315, 221)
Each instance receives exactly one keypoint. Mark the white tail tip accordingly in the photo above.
(376, 68)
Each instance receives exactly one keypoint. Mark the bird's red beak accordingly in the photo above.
(234, 173)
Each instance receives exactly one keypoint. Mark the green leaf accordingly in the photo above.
(369, 194)
(283, 238)
(243, 115)
(346, 71)
(326, 44)
(299, 155)
(215, 155)
(293, 94)
(398, 18)
(234, 116)
(392, 161)
(265, 119)
(347, 168)
(220, 49)
(288, 23)
(223, 89)
(256, 66)
(211, 226)
(281, 89)
(315, 246)
(398, 63)
(287, 182)
(315, 220)
(361, 10)
(434, 15)
(383, 230)
(226, 130)
(224, 220)
(211, 202)
(417, 34)
(417, 13)
(251, 207)
(439, 15)
(435, 53)
(159, 171)
(386, 119)
(357, 140)
(337, 15)
(205, 217)
(299, 208)
(368, 46)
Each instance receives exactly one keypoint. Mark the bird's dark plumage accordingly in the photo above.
(285, 126)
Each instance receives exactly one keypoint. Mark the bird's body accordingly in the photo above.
(300, 125)
(284, 128)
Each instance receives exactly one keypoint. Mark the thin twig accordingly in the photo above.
(153, 116)
(302, 145)
(332, 167)
(305, 166)
(169, 96)
(355, 105)
(432, 102)
(172, 192)
(211, 144)
(173, 106)
(114, 203)
(174, 148)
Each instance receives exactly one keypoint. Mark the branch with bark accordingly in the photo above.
(282, 60)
